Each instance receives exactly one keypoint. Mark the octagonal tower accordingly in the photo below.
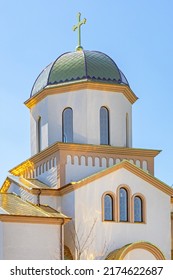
(82, 97)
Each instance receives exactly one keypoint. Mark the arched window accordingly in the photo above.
(104, 126)
(108, 208)
(123, 204)
(39, 135)
(138, 215)
(127, 130)
(67, 125)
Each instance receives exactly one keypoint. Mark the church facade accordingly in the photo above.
(85, 192)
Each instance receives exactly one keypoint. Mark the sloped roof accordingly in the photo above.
(27, 184)
(14, 207)
(33, 186)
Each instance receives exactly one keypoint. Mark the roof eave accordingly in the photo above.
(80, 85)
(33, 219)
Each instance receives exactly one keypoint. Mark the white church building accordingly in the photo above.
(85, 192)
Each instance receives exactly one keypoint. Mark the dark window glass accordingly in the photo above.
(108, 208)
(104, 126)
(127, 130)
(137, 209)
(123, 200)
(67, 125)
(39, 135)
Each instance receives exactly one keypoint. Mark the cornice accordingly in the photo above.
(102, 149)
(33, 220)
(58, 89)
(73, 186)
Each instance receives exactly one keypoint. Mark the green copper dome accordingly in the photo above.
(78, 66)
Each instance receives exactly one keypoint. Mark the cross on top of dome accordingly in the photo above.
(78, 27)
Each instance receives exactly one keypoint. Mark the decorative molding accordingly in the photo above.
(120, 253)
(63, 88)
(114, 212)
(116, 205)
(144, 208)
(33, 220)
(129, 207)
(102, 149)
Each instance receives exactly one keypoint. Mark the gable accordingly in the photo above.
(131, 168)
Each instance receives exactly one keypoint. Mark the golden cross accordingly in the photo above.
(78, 26)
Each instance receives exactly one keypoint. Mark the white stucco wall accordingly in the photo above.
(52, 201)
(31, 241)
(86, 106)
(14, 188)
(68, 206)
(75, 172)
(49, 177)
(78, 168)
(109, 236)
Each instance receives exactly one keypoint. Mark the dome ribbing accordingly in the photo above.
(79, 66)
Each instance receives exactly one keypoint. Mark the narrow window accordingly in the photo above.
(123, 204)
(127, 130)
(108, 208)
(104, 126)
(39, 135)
(138, 209)
(67, 125)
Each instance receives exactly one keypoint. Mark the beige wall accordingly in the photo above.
(31, 241)
(109, 236)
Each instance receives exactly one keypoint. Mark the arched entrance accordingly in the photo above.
(137, 251)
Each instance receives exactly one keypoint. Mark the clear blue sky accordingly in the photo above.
(137, 34)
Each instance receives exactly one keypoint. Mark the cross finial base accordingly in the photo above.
(79, 48)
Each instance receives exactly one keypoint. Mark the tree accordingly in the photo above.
(83, 240)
